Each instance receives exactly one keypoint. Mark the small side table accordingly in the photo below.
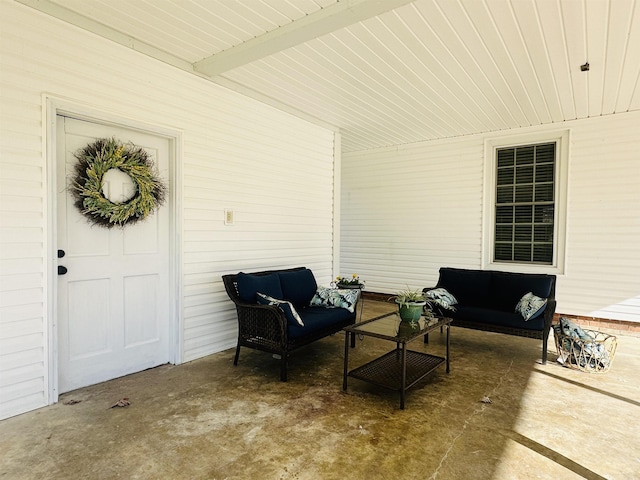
(400, 368)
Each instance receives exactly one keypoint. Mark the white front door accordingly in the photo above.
(114, 301)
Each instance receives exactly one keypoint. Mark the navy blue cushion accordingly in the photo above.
(249, 285)
(496, 317)
(317, 318)
(508, 288)
(298, 287)
(470, 287)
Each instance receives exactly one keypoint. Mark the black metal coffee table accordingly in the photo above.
(401, 368)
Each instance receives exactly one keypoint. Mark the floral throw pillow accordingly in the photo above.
(572, 329)
(336, 297)
(530, 306)
(441, 298)
(287, 308)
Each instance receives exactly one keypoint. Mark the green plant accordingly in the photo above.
(349, 281)
(407, 296)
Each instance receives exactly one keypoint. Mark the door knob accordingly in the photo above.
(61, 253)
(62, 270)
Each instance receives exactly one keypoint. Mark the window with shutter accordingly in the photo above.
(525, 203)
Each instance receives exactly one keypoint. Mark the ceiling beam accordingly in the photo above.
(50, 8)
(324, 21)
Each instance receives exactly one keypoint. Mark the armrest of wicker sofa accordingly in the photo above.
(264, 325)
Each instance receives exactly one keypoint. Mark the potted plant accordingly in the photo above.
(410, 304)
(349, 282)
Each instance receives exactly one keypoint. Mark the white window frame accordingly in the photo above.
(491, 145)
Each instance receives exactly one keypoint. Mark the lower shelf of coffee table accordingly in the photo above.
(386, 371)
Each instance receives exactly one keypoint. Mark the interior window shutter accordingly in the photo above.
(524, 215)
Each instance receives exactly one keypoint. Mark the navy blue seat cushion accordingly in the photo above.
(496, 317)
(508, 288)
(317, 318)
(470, 287)
(298, 287)
(249, 285)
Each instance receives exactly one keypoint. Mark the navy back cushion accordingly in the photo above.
(249, 285)
(470, 287)
(508, 288)
(298, 287)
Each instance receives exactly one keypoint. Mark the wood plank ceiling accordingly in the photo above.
(390, 72)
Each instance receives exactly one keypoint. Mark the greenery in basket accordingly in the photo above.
(407, 296)
(352, 281)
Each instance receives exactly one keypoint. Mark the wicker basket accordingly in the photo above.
(593, 355)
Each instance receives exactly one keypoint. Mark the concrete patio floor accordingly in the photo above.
(210, 420)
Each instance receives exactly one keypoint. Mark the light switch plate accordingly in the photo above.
(228, 216)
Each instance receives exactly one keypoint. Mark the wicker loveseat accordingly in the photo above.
(271, 328)
(487, 301)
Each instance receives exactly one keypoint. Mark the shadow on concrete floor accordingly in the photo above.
(209, 419)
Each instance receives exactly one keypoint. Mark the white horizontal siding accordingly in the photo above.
(22, 323)
(603, 258)
(274, 170)
(409, 210)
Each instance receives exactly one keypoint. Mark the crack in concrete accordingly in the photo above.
(467, 421)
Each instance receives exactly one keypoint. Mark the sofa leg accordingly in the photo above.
(283, 367)
(235, 359)
(545, 342)
(353, 339)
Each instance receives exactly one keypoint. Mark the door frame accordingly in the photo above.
(54, 106)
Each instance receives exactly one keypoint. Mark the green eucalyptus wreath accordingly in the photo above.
(98, 158)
